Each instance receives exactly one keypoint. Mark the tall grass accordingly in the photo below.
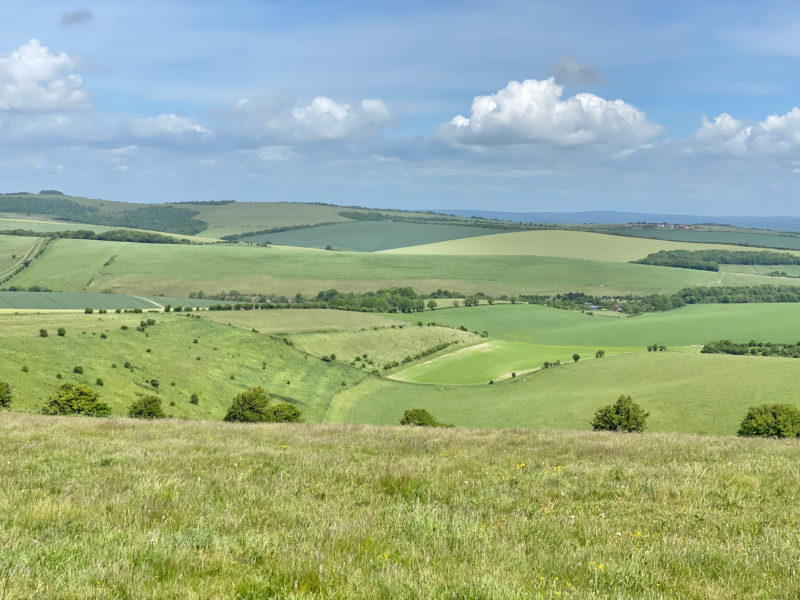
(123, 509)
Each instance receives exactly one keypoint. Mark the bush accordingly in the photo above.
(62, 332)
(6, 392)
(154, 383)
(623, 415)
(772, 420)
(419, 417)
(88, 311)
(43, 333)
(73, 399)
(148, 407)
(195, 399)
(251, 406)
(78, 370)
(283, 412)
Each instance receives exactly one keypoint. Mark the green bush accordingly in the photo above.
(6, 393)
(74, 399)
(772, 420)
(195, 399)
(283, 412)
(62, 332)
(78, 370)
(255, 406)
(623, 415)
(43, 333)
(419, 417)
(148, 407)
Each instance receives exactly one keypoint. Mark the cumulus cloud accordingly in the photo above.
(533, 111)
(76, 17)
(776, 134)
(34, 79)
(282, 121)
(569, 71)
(170, 125)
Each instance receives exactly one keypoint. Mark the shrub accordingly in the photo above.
(772, 420)
(76, 399)
(43, 333)
(24, 368)
(251, 406)
(88, 311)
(99, 382)
(419, 417)
(283, 412)
(623, 415)
(148, 407)
(576, 357)
(154, 383)
(78, 369)
(6, 393)
(62, 332)
(103, 336)
(194, 399)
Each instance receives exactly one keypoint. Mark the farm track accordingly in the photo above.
(38, 246)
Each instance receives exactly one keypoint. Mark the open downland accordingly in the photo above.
(217, 510)
(689, 325)
(703, 393)
(175, 270)
(563, 244)
(370, 236)
(281, 321)
(12, 249)
(493, 360)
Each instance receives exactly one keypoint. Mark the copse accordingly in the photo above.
(76, 399)
(419, 417)
(147, 407)
(255, 406)
(771, 420)
(623, 415)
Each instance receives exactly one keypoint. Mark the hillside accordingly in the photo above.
(95, 508)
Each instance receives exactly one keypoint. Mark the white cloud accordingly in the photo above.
(33, 79)
(275, 153)
(280, 120)
(776, 134)
(169, 125)
(533, 112)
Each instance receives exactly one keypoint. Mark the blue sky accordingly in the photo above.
(685, 107)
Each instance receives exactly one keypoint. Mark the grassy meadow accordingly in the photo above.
(99, 508)
(176, 270)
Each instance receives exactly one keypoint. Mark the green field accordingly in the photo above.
(369, 236)
(563, 244)
(176, 270)
(695, 324)
(732, 236)
(100, 509)
(12, 250)
(382, 345)
(495, 360)
(42, 225)
(81, 300)
(701, 393)
(224, 361)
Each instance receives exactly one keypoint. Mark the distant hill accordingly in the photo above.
(604, 216)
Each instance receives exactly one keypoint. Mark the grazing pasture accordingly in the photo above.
(177, 270)
(12, 251)
(370, 236)
(559, 243)
(301, 511)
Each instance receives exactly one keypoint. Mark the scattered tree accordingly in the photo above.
(195, 399)
(772, 420)
(600, 354)
(148, 407)
(623, 415)
(76, 399)
(251, 406)
(432, 304)
(78, 369)
(576, 357)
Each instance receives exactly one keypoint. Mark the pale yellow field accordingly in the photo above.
(564, 244)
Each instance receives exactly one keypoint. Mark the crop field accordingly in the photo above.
(670, 385)
(495, 360)
(564, 244)
(370, 236)
(689, 325)
(382, 345)
(747, 238)
(301, 511)
(176, 270)
(223, 362)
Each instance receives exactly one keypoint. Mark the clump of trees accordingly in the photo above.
(753, 348)
(419, 417)
(147, 407)
(255, 406)
(710, 260)
(771, 420)
(6, 394)
(623, 415)
(76, 399)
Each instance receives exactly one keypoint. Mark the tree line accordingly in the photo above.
(752, 348)
(710, 260)
(113, 235)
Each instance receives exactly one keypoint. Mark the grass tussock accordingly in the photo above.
(120, 509)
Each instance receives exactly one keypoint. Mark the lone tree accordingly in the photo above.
(76, 399)
(148, 407)
(419, 417)
(772, 420)
(600, 354)
(432, 304)
(255, 406)
(6, 392)
(623, 415)
(576, 357)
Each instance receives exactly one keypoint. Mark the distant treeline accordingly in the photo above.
(753, 348)
(233, 237)
(384, 301)
(710, 260)
(159, 217)
(445, 220)
(114, 235)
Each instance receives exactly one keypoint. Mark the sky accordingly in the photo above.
(680, 107)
